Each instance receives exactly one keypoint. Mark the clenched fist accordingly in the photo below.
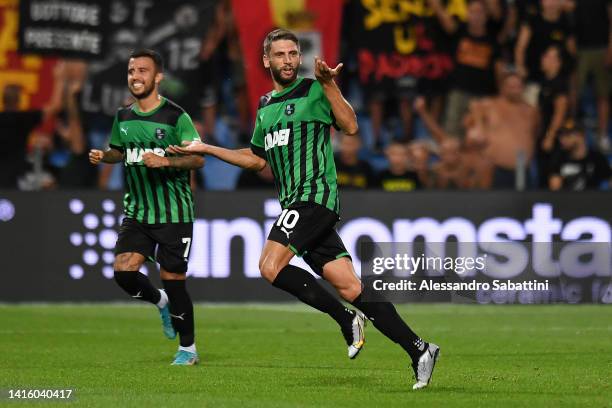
(95, 156)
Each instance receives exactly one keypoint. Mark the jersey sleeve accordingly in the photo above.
(257, 141)
(115, 139)
(185, 130)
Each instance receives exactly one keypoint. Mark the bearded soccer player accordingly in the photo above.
(292, 134)
(158, 202)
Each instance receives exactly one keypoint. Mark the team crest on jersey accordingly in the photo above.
(160, 133)
(290, 109)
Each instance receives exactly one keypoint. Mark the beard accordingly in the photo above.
(278, 76)
(147, 90)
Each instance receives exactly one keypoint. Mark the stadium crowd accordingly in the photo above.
(526, 106)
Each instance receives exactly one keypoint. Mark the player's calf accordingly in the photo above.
(137, 286)
(181, 313)
(340, 273)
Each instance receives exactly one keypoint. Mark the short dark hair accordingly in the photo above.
(154, 55)
(279, 34)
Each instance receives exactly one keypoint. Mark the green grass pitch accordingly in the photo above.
(114, 355)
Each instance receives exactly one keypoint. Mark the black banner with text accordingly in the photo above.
(398, 43)
(76, 28)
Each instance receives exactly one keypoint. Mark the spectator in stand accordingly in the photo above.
(550, 27)
(419, 153)
(399, 176)
(461, 165)
(376, 100)
(526, 9)
(353, 173)
(508, 126)
(222, 37)
(516, 13)
(77, 173)
(16, 125)
(553, 104)
(477, 60)
(592, 19)
(478, 170)
(263, 179)
(576, 167)
(449, 172)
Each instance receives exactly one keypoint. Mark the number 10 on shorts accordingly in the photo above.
(288, 219)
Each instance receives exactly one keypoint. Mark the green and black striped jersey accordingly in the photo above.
(292, 132)
(154, 196)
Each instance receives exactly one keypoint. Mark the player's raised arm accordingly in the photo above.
(343, 111)
(154, 161)
(244, 158)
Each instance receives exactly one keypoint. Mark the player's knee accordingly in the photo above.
(178, 268)
(127, 262)
(350, 292)
(269, 270)
(171, 276)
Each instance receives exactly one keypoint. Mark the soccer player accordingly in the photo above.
(158, 202)
(292, 134)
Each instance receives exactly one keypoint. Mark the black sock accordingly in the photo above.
(305, 287)
(385, 318)
(137, 286)
(181, 308)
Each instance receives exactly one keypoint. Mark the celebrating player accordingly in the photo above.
(292, 134)
(158, 201)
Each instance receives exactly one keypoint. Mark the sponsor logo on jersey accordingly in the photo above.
(277, 138)
(133, 156)
(290, 109)
(160, 133)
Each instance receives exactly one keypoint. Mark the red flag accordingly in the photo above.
(315, 22)
(32, 73)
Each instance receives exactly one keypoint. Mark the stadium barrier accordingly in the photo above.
(58, 246)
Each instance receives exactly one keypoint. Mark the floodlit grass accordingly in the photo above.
(115, 355)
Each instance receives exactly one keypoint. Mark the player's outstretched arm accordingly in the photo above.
(244, 158)
(107, 156)
(343, 111)
(153, 161)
